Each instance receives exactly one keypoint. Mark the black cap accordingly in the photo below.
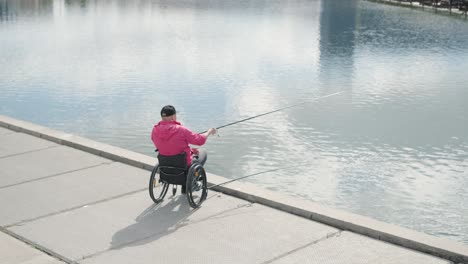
(168, 110)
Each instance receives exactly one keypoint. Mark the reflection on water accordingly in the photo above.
(11, 10)
(337, 43)
(392, 146)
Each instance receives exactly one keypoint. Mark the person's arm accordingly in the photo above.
(209, 132)
(198, 139)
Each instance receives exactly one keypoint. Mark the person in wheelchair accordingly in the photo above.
(171, 138)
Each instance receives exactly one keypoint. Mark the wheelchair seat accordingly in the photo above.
(174, 170)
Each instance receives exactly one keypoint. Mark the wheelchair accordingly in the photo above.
(173, 170)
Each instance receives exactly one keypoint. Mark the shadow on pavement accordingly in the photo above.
(153, 223)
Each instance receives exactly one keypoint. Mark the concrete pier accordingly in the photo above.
(68, 199)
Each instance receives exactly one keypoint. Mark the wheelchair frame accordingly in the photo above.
(176, 173)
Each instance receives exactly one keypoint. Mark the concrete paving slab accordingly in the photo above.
(4, 131)
(52, 195)
(111, 152)
(400, 236)
(14, 251)
(44, 163)
(350, 248)
(17, 143)
(132, 230)
(77, 142)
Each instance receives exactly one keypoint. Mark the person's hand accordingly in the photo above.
(211, 131)
(195, 151)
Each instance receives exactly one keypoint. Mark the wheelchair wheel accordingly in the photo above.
(196, 185)
(157, 189)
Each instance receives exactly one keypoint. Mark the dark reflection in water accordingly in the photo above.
(11, 9)
(392, 146)
(337, 33)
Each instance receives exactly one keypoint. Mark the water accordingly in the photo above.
(393, 145)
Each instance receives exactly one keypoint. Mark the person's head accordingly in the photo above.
(168, 113)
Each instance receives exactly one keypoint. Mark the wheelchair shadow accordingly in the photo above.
(153, 223)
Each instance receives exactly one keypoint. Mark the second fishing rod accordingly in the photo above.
(267, 113)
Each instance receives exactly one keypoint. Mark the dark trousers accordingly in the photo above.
(200, 158)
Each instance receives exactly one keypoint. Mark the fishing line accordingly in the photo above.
(250, 175)
(254, 174)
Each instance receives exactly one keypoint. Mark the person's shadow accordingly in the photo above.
(153, 223)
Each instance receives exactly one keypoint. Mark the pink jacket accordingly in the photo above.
(171, 138)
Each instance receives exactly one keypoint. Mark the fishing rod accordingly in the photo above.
(271, 112)
(274, 111)
(267, 113)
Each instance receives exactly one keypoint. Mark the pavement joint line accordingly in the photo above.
(342, 224)
(57, 174)
(10, 133)
(30, 151)
(38, 247)
(177, 226)
(22, 222)
(118, 246)
(327, 236)
(220, 215)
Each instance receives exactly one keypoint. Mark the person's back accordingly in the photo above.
(171, 138)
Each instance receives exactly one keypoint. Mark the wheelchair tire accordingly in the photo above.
(196, 185)
(156, 187)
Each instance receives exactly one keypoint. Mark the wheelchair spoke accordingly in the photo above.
(157, 189)
(196, 184)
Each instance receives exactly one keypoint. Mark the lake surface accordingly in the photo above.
(393, 145)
